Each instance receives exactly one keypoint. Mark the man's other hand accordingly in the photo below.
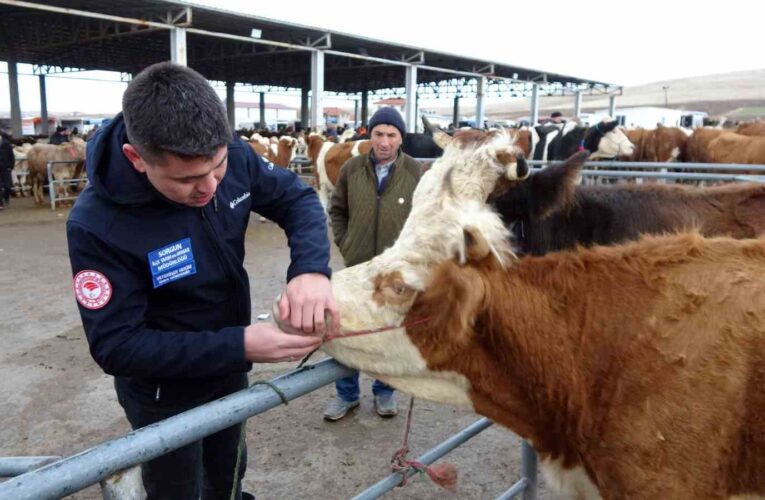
(305, 301)
(266, 343)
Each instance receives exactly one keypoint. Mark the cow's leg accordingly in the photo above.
(37, 189)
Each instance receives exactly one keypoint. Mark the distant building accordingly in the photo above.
(337, 116)
(247, 115)
(395, 102)
(649, 117)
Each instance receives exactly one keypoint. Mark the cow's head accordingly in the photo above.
(545, 191)
(607, 140)
(448, 208)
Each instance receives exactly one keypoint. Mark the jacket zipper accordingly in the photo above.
(218, 252)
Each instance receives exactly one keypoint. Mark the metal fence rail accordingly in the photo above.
(661, 165)
(72, 474)
(15, 466)
(395, 479)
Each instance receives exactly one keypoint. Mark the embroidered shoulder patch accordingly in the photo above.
(92, 289)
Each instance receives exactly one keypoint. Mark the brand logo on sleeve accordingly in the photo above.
(92, 289)
(172, 262)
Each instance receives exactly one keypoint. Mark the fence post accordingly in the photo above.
(529, 464)
(51, 187)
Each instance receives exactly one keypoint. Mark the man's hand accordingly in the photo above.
(304, 302)
(265, 343)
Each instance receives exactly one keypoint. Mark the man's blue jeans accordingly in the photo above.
(348, 388)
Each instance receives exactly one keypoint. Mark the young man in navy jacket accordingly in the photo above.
(156, 243)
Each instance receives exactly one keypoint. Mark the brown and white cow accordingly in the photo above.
(662, 144)
(327, 158)
(756, 127)
(636, 371)
(697, 148)
(730, 147)
(39, 156)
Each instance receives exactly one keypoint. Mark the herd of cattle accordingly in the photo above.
(620, 329)
(745, 145)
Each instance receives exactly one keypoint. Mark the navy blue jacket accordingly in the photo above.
(160, 326)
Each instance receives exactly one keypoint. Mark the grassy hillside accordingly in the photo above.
(738, 96)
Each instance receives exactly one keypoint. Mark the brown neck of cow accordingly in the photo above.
(523, 334)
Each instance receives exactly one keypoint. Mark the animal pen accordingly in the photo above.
(53, 477)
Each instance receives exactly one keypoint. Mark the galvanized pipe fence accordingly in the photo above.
(72, 474)
(67, 476)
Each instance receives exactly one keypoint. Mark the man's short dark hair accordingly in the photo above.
(172, 109)
(556, 114)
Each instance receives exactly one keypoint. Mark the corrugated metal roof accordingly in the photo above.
(60, 39)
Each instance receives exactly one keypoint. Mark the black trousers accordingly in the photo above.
(205, 467)
(6, 184)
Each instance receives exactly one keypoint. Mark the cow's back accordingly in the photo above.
(606, 215)
(730, 147)
(697, 147)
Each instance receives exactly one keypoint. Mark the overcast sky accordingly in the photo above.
(627, 43)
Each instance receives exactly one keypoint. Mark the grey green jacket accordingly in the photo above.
(364, 221)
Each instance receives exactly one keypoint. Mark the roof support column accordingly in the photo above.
(355, 113)
(178, 46)
(480, 105)
(411, 97)
(456, 113)
(13, 88)
(317, 90)
(230, 105)
(577, 104)
(534, 104)
(263, 110)
(304, 108)
(612, 107)
(364, 107)
(43, 106)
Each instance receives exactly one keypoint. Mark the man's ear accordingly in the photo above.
(132, 155)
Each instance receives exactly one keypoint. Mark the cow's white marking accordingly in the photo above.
(573, 483)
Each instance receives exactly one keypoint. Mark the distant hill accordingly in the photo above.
(737, 96)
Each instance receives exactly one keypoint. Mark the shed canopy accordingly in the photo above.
(128, 35)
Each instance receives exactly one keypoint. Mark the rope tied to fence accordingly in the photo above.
(444, 475)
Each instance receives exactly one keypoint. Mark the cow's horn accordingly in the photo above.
(439, 136)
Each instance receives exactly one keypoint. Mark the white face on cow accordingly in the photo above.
(614, 143)
(379, 293)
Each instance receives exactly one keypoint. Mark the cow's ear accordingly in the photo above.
(513, 162)
(552, 188)
(452, 300)
(476, 246)
(608, 126)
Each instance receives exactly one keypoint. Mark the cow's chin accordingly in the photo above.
(392, 358)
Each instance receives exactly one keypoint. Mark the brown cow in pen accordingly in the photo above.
(756, 127)
(662, 144)
(636, 371)
(730, 147)
(697, 148)
(39, 156)
(328, 158)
